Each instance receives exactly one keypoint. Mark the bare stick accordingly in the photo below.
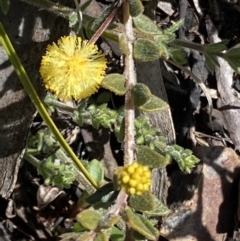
(130, 82)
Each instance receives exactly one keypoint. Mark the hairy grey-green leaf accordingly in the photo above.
(144, 202)
(89, 218)
(135, 7)
(96, 171)
(178, 55)
(145, 50)
(154, 104)
(151, 158)
(115, 83)
(146, 25)
(141, 94)
(159, 210)
(117, 234)
(141, 224)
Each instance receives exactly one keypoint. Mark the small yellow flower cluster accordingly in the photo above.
(134, 178)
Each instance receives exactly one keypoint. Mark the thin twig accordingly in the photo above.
(121, 200)
(105, 24)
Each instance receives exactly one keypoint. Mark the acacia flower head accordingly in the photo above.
(134, 178)
(72, 68)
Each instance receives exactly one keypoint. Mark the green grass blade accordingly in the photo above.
(4, 40)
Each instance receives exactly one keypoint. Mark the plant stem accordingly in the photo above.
(4, 40)
(129, 73)
(105, 23)
(32, 159)
(60, 154)
(187, 44)
(36, 163)
(79, 13)
(59, 105)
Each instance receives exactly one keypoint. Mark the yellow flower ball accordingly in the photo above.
(72, 68)
(132, 183)
(130, 169)
(134, 178)
(140, 186)
(125, 179)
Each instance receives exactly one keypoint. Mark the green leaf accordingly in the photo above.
(5, 5)
(73, 19)
(178, 55)
(141, 93)
(95, 123)
(146, 25)
(135, 7)
(139, 121)
(215, 47)
(103, 235)
(154, 104)
(78, 118)
(184, 157)
(144, 202)
(117, 234)
(175, 26)
(49, 100)
(96, 170)
(151, 158)
(159, 210)
(82, 203)
(210, 52)
(77, 227)
(123, 42)
(163, 49)
(89, 218)
(103, 97)
(233, 53)
(105, 193)
(115, 83)
(113, 31)
(140, 140)
(85, 5)
(137, 236)
(232, 56)
(211, 61)
(140, 224)
(79, 113)
(234, 65)
(145, 50)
